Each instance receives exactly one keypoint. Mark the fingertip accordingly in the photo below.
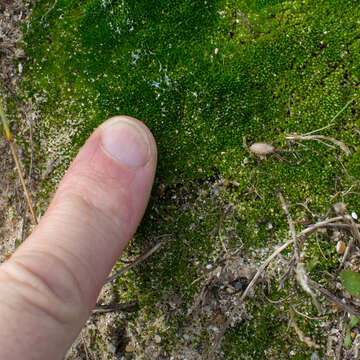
(121, 122)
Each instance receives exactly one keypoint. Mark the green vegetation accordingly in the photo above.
(351, 282)
(203, 74)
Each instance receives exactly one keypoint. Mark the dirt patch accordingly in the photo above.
(100, 338)
(13, 210)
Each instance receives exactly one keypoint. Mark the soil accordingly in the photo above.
(13, 209)
(15, 220)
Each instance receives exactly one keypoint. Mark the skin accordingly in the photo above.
(51, 283)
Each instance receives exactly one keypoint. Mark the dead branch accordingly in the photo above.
(286, 274)
(338, 225)
(309, 230)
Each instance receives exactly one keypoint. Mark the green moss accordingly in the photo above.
(202, 75)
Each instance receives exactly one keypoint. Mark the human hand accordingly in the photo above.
(50, 284)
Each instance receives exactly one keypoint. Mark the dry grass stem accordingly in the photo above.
(18, 167)
(140, 259)
(113, 308)
(217, 228)
(307, 316)
(353, 227)
(28, 120)
(333, 119)
(340, 144)
(299, 332)
(85, 347)
(306, 232)
(291, 226)
(303, 280)
(346, 253)
(226, 324)
(339, 349)
(246, 21)
(245, 146)
(346, 307)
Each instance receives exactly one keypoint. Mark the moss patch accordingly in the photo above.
(202, 75)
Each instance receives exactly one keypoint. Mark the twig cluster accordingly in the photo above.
(296, 268)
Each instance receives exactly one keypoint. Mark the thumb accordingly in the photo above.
(49, 286)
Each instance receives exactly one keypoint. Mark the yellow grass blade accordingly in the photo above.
(12, 148)
(5, 124)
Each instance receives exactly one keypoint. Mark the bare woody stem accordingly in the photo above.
(12, 148)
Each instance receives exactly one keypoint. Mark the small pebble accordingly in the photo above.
(157, 339)
(238, 285)
(340, 247)
(111, 348)
(130, 347)
(230, 290)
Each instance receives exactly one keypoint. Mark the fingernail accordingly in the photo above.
(126, 142)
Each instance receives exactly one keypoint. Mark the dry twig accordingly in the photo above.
(113, 308)
(216, 229)
(303, 280)
(140, 259)
(291, 226)
(298, 331)
(354, 228)
(85, 347)
(346, 307)
(306, 232)
(331, 123)
(340, 144)
(339, 348)
(356, 235)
